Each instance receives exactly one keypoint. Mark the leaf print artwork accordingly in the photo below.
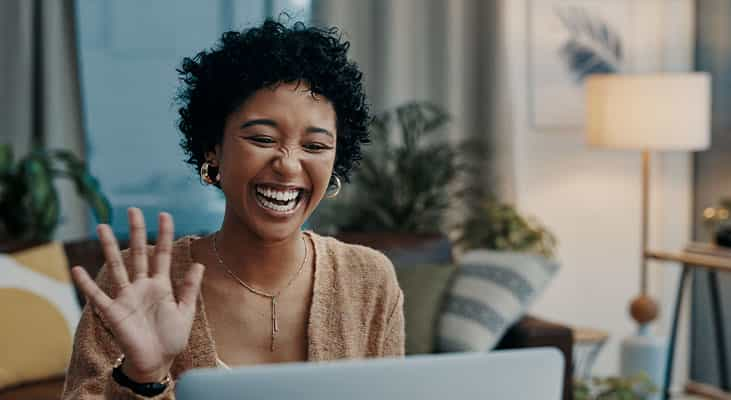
(568, 40)
(592, 47)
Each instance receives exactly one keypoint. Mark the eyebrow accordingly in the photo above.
(273, 124)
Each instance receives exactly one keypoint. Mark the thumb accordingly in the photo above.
(191, 288)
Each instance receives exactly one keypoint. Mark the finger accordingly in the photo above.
(164, 245)
(110, 247)
(137, 242)
(191, 288)
(89, 288)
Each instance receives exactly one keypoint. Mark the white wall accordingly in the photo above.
(591, 198)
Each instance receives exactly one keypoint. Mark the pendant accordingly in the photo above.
(275, 324)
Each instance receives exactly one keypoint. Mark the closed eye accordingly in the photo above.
(317, 147)
(261, 139)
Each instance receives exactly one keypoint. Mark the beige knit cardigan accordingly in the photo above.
(356, 312)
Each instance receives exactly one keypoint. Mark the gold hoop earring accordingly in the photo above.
(338, 186)
(205, 177)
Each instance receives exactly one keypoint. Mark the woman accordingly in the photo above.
(274, 117)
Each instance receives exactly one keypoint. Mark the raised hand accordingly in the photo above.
(150, 326)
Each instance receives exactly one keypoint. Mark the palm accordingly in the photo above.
(149, 324)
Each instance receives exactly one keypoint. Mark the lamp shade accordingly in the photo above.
(649, 112)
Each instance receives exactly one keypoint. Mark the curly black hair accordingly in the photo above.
(216, 82)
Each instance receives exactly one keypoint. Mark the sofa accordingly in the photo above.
(527, 332)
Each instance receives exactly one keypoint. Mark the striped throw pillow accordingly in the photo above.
(490, 291)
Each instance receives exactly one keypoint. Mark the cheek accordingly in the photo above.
(329, 164)
(235, 171)
(242, 160)
(320, 172)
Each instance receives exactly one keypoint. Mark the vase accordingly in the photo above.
(645, 352)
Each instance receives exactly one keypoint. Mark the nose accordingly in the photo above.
(287, 163)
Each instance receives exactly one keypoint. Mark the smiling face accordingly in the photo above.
(276, 159)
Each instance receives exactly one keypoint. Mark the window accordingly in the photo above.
(129, 50)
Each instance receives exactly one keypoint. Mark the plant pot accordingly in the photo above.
(404, 248)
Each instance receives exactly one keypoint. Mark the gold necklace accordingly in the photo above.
(272, 297)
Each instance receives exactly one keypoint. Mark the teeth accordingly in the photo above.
(277, 194)
(276, 207)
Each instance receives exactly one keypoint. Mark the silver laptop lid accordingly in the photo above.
(528, 374)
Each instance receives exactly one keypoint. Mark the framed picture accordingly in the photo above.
(568, 40)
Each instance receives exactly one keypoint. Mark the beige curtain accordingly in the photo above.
(442, 51)
(40, 102)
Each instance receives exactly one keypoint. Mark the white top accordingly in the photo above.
(221, 364)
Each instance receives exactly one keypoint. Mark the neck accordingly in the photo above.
(266, 265)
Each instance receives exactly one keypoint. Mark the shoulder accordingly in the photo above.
(355, 264)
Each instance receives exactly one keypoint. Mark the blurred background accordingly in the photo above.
(97, 78)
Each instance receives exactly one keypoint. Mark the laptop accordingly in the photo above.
(527, 374)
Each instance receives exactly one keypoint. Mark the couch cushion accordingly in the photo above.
(39, 313)
(490, 291)
(423, 287)
(434, 251)
(48, 389)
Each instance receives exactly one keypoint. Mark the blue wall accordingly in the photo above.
(129, 50)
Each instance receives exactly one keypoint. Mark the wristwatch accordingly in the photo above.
(149, 389)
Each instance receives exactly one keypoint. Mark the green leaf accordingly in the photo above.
(86, 185)
(41, 199)
(434, 116)
(48, 218)
(89, 189)
(402, 183)
(6, 159)
(71, 162)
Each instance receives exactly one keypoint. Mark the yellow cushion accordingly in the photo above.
(39, 313)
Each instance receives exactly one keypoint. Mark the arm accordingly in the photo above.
(131, 310)
(89, 375)
(394, 343)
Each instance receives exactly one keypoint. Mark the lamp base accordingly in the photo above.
(643, 309)
(645, 353)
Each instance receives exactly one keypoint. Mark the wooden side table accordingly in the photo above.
(588, 343)
(715, 260)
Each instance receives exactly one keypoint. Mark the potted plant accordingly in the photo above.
(487, 222)
(400, 194)
(499, 226)
(718, 223)
(635, 387)
(411, 176)
(29, 202)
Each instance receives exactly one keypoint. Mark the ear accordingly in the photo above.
(214, 157)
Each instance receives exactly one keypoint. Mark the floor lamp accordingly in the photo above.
(647, 113)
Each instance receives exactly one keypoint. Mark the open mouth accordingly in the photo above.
(278, 200)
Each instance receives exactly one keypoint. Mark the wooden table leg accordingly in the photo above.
(718, 328)
(706, 391)
(674, 333)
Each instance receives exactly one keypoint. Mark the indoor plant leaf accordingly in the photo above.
(29, 203)
(86, 185)
(41, 199)
(6, 159)
(404, 180)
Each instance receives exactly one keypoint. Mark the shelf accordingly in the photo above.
(693, 259)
